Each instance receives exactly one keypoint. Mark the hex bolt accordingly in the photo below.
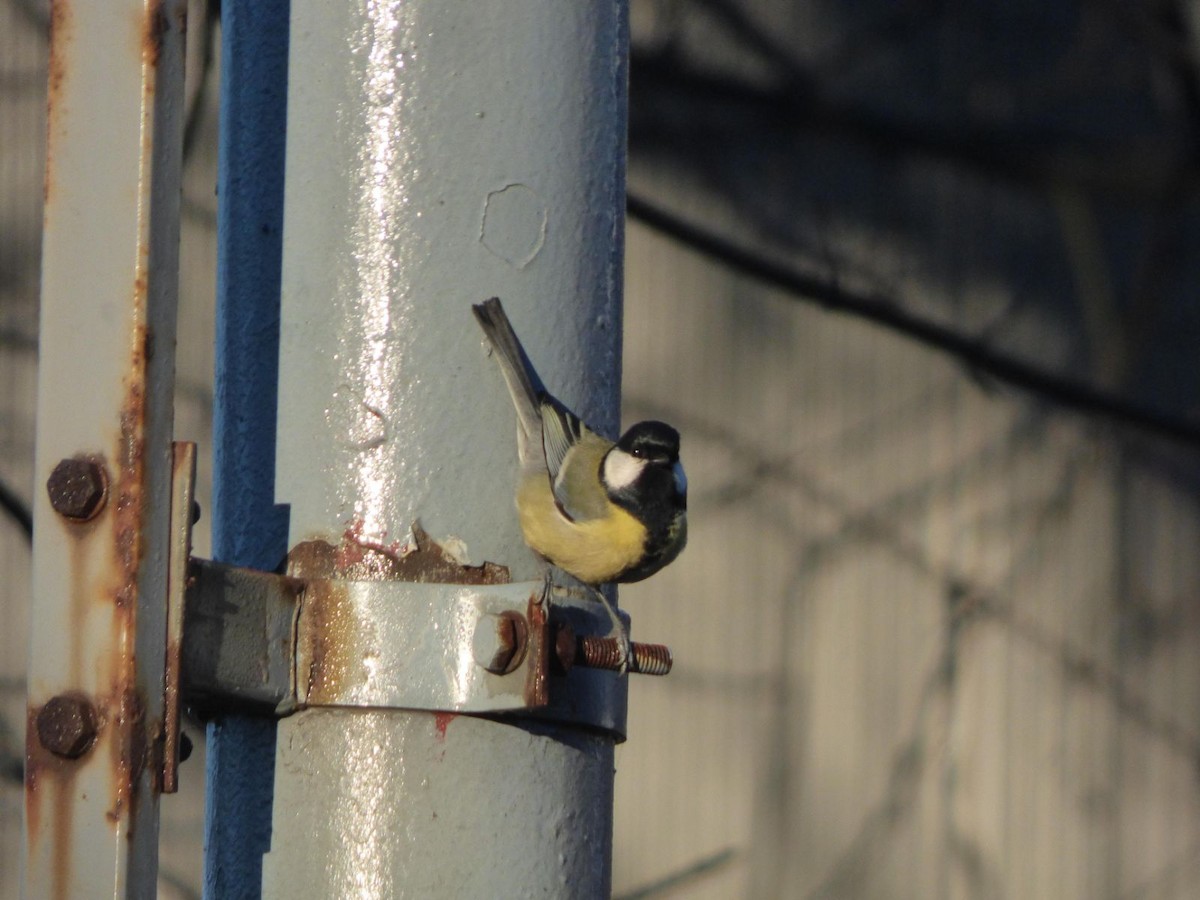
(66, 726)
(605, 653)
(77, 488)
(500, 641)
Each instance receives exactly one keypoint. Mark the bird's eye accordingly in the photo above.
(638, 452)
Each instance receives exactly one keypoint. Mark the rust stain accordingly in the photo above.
(50, 782)
(131, 741)
(83, 534)
(441, 721)
(361, 558)
(120, 706)
(154, 26)
(49, 778)
(61, 36)
(35, 760)
(131, 451)
(170, 730)
(131, 755)
(537, 690)
(332, 654)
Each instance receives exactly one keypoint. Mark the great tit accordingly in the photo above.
(598, 510)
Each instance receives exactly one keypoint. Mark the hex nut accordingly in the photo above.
(66, 726)
(78, 488)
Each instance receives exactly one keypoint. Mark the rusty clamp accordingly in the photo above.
(274, 644)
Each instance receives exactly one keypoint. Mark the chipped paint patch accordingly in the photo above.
(441, 721)
(360, 557)
(514, 224)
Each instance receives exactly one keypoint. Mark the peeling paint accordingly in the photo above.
(514, 224)
(361, 558)
(362, 425)
(441, 721)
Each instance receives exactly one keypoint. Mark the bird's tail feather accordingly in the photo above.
(520, 376)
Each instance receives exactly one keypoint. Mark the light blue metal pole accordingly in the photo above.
(248, 528)
(439, 153)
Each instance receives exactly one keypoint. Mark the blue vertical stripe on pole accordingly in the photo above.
(248, 528)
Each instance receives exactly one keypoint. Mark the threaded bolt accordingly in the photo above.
(605, 653)
(66, 726)
(78, 488)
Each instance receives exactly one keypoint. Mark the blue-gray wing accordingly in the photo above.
(573, 457)
(561, 430)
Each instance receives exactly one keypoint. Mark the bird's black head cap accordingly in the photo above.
(656, 442)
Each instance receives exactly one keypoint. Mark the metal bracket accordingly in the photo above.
(274, 644)
(183, 486)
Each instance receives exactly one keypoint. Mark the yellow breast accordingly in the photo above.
(593, 550)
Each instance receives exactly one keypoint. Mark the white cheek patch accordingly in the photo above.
(680, 478)
(621, 469)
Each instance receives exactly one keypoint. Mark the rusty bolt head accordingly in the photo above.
(77, 488)
(499, 643)
(66, 726)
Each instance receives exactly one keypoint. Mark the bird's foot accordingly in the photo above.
(619, 634)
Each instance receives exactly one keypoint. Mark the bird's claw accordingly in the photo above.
(619, 634)
(625, 648)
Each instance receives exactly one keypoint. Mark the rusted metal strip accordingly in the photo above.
(104, 421)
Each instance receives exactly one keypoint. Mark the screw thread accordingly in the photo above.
(651, 659)
(605, 653)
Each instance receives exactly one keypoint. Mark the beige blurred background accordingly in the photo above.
(934, 637)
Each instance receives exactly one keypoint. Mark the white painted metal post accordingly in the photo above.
(437, 154)
(94, 744)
